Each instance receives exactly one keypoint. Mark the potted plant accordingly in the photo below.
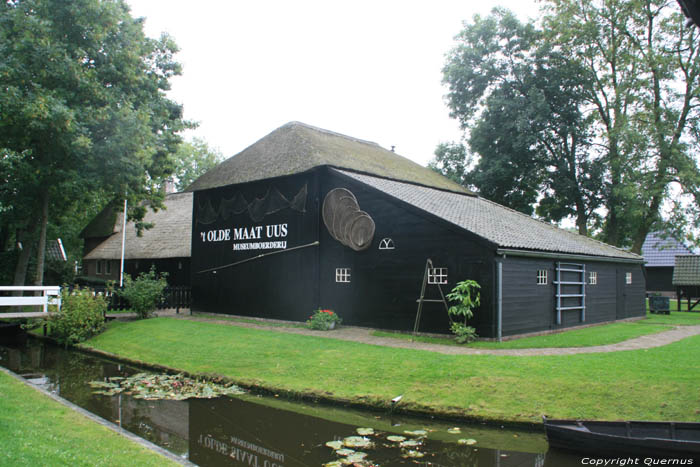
(323, 320)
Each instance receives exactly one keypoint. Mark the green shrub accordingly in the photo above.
(466, 294)
(144, 292)
(82, 316)
(323, 320)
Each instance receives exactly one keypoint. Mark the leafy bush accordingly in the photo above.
(144, 292)
(82, 316)
(466, 294)
(323, 320)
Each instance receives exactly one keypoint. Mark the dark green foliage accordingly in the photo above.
(192, 160)
(467, 297)
(81, 316)
(83, 116)
(145, 292)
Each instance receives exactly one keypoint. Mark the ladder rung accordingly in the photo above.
(571, 308)
(571, 295)
(568, 283)
(570, 270)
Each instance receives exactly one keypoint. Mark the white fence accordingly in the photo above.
(50, 295)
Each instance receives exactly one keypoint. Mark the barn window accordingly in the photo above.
(98, 269)
(108, 267)
(386, 244)
(342, 274)
(628, 278)
(541, 277)
(592, 278)
(437, 275)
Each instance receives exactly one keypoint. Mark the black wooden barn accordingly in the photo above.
(306, 218)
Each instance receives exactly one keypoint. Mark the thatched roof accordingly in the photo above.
(170, 237)
(296, 147)
(498, 224)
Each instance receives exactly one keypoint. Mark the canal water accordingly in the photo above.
(256, 431)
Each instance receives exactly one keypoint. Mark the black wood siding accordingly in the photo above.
(528, 307)
(281, 285)
(385, 284)
(660, 279)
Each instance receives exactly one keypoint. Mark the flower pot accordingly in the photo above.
(331, 325)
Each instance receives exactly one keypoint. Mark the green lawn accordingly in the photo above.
(676, 318)
(586, 337)
(36, 430)
(655, 384)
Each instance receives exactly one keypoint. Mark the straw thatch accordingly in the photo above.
(297, 147)
(170, 237)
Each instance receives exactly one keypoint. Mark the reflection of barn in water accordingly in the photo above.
(307, 218)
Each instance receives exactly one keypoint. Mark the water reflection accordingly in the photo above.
(266, 432)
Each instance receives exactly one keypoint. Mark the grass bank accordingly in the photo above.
(36, 430)
(653, 384)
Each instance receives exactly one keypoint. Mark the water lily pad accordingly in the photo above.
(410, 443)
(333, 464)
(413, 454)
(454, 430)
(365, 431)
(396, 438)
(357, 457)
(344, 452)
(334, 444)
(468, 442)
(416, 432)
(356, 442)
(175, 387)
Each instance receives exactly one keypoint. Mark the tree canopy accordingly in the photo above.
(591, 115)
(83, 112)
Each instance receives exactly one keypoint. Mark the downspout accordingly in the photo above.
(499, 299)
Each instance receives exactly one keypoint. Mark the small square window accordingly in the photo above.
(592, 278)
(342, 275)
(437, 275)
(541, 277)
(628, 278)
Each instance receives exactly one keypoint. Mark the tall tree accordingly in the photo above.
(519, 99)
(192, 159)
(83, 110)
(642, 62)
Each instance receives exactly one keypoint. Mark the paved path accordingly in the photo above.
(363, 335)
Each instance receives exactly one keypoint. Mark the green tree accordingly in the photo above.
(193, 159)
(643, 66)
(520, 101)
(82, 110)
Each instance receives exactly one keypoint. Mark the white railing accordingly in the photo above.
(51, 295)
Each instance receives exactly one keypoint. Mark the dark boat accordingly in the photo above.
(679, 440)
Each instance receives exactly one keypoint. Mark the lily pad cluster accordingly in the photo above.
(158, 386)
(348, 449)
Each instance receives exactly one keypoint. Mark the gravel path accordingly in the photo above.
(363, 335)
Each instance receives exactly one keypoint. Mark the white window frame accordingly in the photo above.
(437, 276)
(541, 277)
(592, 277)
(628, 278)
(342, 275)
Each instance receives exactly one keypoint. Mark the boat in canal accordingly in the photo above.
(625, 438)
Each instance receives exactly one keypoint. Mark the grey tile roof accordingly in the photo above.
(296, 147)
(500, 225)
(170, 237)
(687, 270)
(661, 252)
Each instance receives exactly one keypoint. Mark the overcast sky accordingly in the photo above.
(368, 69)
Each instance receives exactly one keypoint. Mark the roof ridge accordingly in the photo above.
(329, 132)
(407, 182)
